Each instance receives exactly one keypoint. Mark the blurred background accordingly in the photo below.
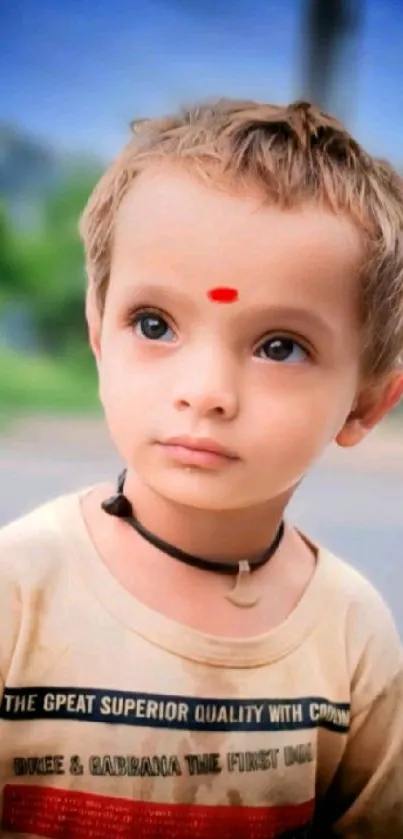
(72, 76)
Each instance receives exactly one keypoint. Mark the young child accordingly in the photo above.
(176, 659)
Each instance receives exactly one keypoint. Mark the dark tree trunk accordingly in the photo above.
(330, 52)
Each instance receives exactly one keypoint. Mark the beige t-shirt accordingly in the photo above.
(117, 722)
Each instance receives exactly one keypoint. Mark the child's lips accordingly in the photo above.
(198, 451)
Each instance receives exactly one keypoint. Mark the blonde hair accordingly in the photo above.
(295, 154)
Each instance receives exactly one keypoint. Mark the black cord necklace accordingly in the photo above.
(119, 505)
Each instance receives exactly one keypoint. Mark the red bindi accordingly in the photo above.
(223, 295)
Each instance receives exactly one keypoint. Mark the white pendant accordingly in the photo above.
(244, 594)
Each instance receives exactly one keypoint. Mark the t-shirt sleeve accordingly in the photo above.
(365, 800)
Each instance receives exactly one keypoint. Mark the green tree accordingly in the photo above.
(54, 265)
(10, 276)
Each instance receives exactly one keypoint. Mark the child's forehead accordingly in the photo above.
(231, 250)
(171, 212)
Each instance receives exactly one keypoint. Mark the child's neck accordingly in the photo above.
(185, 594)
(231, 535)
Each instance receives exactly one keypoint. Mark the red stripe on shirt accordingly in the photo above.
(68, 814)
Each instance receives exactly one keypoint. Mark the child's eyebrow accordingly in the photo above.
(295, 316)
(158, 294)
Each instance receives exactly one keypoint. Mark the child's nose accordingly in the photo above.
(210, 389)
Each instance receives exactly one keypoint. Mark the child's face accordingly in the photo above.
(190, 366)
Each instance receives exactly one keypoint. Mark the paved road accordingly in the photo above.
(355, 509)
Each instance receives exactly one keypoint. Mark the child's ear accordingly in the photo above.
(373, 403)
(94, 322)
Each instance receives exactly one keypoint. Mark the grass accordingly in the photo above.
(31, 384)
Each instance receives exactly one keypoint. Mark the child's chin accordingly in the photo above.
(195, 488)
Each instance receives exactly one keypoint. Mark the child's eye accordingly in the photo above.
(153, 327)
(282, 349)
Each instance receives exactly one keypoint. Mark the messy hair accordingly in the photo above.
(295, 155)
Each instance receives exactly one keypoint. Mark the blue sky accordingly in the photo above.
(75, 72)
